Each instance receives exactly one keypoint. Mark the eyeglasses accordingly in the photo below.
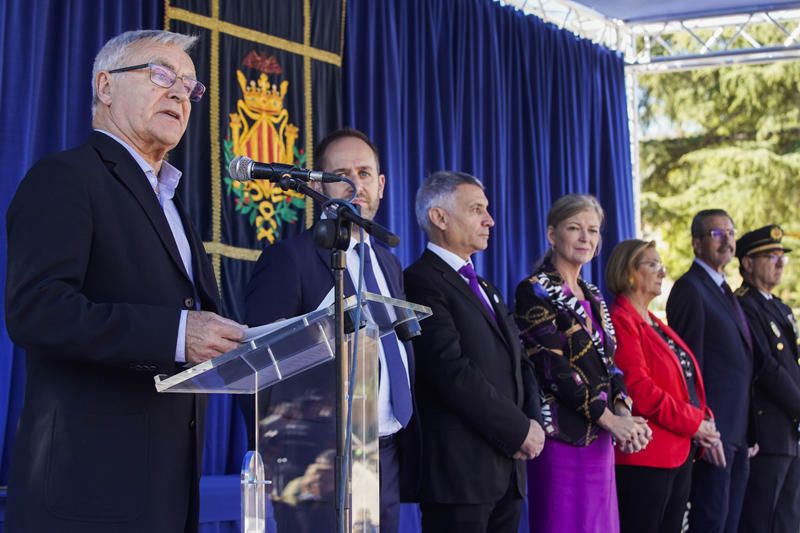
(775, 259)
(165, 77)
(655, 266)
(718, 234)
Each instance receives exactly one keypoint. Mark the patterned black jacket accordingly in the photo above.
(574, 363)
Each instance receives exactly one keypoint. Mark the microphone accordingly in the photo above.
(243, 168)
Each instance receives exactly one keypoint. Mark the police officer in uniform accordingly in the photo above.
(772, 501)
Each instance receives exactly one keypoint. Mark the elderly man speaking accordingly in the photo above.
(108, 285)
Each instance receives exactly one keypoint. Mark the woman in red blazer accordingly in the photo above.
(662, 378)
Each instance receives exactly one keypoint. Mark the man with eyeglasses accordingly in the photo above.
(703, 310)
(772, 501)
(109, 285)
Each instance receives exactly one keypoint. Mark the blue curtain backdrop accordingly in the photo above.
(533, 111)
(468, 85)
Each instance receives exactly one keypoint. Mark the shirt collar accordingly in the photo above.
(354, 241)
(715, 276)
(448, 257)
(167, 179)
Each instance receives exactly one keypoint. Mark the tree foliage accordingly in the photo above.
(722, 137)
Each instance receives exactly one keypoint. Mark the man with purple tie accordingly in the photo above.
(703, 310)
(475, 433)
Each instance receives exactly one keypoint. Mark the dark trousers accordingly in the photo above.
(390, 485)
(772, 503)
(499, 517)
(718, 493)
(653, 500)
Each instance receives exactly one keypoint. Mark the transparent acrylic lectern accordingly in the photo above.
(294, 420)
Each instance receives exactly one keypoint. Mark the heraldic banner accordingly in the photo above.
(273, 72)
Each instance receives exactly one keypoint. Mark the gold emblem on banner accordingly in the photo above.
(260, 129)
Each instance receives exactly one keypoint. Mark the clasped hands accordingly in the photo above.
(631, 433)
(708, 437)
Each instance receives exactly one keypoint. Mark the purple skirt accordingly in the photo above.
(571, 489)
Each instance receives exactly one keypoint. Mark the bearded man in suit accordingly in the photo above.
(703, 310)
(294, 277)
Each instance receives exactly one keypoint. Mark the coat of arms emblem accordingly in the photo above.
(260, 129)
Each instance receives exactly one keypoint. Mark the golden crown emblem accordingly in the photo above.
(262, 96)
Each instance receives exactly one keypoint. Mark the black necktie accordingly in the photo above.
(400, 392)
(737, 311)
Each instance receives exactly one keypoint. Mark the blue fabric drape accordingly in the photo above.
(531, 110)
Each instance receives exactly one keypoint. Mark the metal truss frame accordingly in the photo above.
(682, 44)
(653, 47)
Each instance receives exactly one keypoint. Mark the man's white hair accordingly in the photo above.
(115, 52)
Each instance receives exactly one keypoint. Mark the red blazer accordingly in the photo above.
(656, 384)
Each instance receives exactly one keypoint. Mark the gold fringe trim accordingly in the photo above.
(166, 15)
(309, 104)
(214, 132)
(219, 249)
(215, 24)
(341, 35)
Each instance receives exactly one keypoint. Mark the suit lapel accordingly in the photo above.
(204, 280)
(774, 312)
(454, 279)
(723, 301)
(501, 312)
(392, 278)
(325, 256)
(123, 166)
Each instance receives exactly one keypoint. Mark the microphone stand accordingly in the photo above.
(338, 241)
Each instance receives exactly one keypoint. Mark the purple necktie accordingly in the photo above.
(738, 312)
(468, 272)
(400, 392)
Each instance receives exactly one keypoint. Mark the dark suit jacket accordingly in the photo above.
(776, 389)
(94, 292)
(699, 312)
(469, 388)
(575, 368)
(292, 277)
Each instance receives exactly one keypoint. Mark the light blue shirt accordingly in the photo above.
(164, 186)
(715, 276)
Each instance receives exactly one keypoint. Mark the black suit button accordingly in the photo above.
(189, 303)
(760, 412)
(191, 424)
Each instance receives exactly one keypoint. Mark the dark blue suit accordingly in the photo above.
(701, 314)
(291, 278)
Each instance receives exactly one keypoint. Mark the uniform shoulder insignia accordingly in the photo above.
(741, 291)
